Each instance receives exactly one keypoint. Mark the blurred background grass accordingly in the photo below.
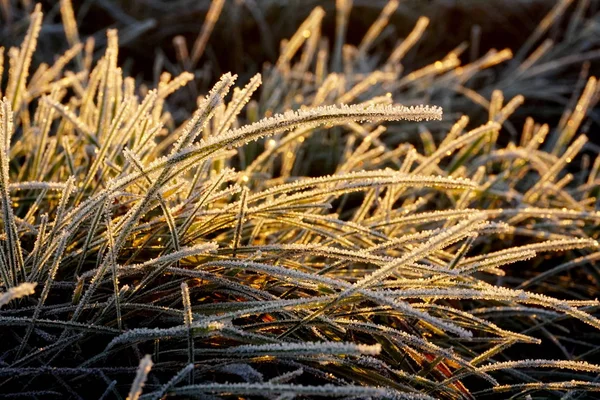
(248, 33)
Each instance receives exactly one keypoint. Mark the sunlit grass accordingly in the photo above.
(281, 242)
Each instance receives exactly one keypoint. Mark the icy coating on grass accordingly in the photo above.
(313, 232)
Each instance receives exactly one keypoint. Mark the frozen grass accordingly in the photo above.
(293, 240)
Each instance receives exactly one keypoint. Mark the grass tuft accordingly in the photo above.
(315, 232)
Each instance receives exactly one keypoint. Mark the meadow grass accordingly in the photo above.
(313, 232)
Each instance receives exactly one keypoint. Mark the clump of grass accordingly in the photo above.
(231, 257)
